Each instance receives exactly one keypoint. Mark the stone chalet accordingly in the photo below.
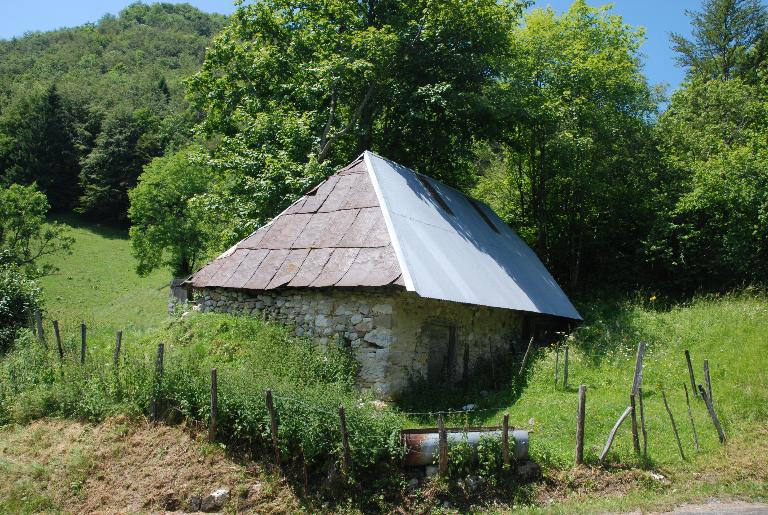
(416, 278)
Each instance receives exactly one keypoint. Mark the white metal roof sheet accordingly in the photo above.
(457, 256)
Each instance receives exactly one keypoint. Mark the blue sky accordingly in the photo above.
(659, 17)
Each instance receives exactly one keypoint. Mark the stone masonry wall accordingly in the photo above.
(383, 327)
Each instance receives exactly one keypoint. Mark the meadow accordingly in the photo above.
(97, 284)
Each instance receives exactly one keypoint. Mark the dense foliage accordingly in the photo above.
(167, 228)
(292, 90)
(83, 109)
(250, 356)
(19, 299)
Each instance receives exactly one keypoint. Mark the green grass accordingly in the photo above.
(98, 284)
(730, 331)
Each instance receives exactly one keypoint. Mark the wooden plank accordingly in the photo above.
(254, 240)
(267, 269)
(214, 405)
(580, 412)
(368, 230)
(612, 434)
(228, 267)
(557, 361)
(690, 417)
(315, 198)
(337, 265)
(712, 414)
(565, 367)
(339, 223)
(637, 380)
(525, 357)
(708, 381)
(340, 193)
(57, 334)
(505, 441)
(346, 457)
(247, 267)
(443, 447)
(289, 268)
(372, 267)
(284, 230)
(642, 421)
(311, 267)
(361, 193)
(201, 278)
(635, 434)
(674, 426)
(690, 372)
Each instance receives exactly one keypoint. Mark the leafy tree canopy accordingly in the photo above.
(291, 90)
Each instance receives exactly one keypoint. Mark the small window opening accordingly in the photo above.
(432, 191)
(483, 215)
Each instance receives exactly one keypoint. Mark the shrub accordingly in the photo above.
(19, 298)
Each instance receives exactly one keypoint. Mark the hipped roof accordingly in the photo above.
(377, 223)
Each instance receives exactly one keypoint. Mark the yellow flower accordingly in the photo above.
(653, 298)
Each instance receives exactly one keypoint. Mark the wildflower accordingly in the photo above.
(653, 298)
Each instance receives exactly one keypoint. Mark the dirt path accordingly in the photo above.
(715, 508)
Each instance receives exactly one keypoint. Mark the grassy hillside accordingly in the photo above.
(98, 284)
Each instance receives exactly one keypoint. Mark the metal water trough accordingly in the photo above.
(422, 444)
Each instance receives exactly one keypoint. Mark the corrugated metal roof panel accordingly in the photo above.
(454, 254)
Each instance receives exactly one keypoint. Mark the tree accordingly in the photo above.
(19, 298)
(25, 237)
(39, 146)
(572, 170)
(293, 89)
(166, 228)
(125, 144)
(726, 36)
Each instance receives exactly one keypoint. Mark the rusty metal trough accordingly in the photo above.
(422, 444)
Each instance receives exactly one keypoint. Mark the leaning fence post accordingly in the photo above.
(443, 439)
(674, 426)
(39, 325)
(565, 368)
(637, 380)
(58, 339)
(158, 378)
(690, 372)
(690, 417)
(82, 343)
(273, 425)
(557, 362)
(712, 414)
(612, 434)
(118, 344)
(505, 441)
(635, 435)
(580, 424)
(642, 421)
(214, 405)
(708, 381)
(346, 458)
(525, 356)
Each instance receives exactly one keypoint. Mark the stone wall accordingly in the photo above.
(384, 327)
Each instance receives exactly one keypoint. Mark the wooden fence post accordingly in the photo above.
(637, 380)
(525, 356)
(57, 334)
(708, 381)
(158, 378)
(82, 343)
(690, 372)
(557, 362)
(580, 413)
(273, 425)
(346, 458)
(40, 331)
(505, 441)
(712, 414)
(674, 426)
(612, 434)
(443, 441)
(690, 417)
(118, 344)
(642, 421)
(635, 435)
(214, 405)
(565, 368)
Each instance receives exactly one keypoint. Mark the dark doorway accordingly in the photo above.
(441, 344)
